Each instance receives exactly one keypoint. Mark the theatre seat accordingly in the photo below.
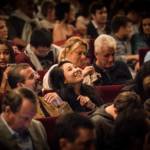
(108, 92)
(49, 125)
(142, 52)
(41, 74)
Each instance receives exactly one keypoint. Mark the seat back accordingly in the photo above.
(49, 125)
(108, 92)
(142, 52)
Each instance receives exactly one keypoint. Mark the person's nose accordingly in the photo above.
(2, 56)
(111, 58)
(5, 29)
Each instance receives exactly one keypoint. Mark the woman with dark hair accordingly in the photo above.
(66, 80)
(6, 56)
(142, 39)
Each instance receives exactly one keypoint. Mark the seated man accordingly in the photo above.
(74, 132)
(112, 72)
(18, 131)
(22, 75)
(40, 53)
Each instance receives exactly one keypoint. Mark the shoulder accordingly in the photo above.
(36, 123)
(99, 115)
(120, 64)
(37, 128)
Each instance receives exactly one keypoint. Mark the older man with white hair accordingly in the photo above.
(112, 71)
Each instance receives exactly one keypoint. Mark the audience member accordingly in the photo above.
(137, 85)
(98, 24)
(112, 71)
(22, 75)
(121, 29)
(22, 22)
(65, 15)
(40, 53)
(81, 23)
(66, 80)
(18, 130)
(48, 15)
(6, 57)
(142, 39)
(75, 50)
(3, 29)
(121, 124)
(133, 14)
(74, 132)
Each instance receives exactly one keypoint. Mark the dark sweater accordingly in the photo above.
(117, 74)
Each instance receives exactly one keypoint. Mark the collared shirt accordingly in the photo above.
(99, 30)
(24, 140)
(6, 124)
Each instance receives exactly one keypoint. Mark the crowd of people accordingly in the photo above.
(52, 56)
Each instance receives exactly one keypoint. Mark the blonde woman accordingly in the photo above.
(75, 50)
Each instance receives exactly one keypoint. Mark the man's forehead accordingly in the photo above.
(107, 51)
(27, 70)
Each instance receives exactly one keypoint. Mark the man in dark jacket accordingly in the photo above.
(112, 72)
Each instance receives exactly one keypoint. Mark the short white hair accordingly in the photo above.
(104, 40)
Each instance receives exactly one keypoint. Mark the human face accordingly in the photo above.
(3, 30)
(146, 26)
(72, 74)
(84, 141)
(105, 57)
(4, 56)
(127, 30)
(31, 78)
(71, 14)
(41, 51)
(101, 16)
(77, 55)
(21, 120)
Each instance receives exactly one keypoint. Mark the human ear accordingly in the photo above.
(7, 109)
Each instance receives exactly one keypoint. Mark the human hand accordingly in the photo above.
(53, 98)
(88, 70)
(85, 101)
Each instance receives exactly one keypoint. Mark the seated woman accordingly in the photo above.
(63, 29)
(6, 57)
(66, 80)
(75, 50)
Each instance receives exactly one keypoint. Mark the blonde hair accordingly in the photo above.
(104, 40)
(71, 45)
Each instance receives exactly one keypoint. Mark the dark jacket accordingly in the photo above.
(36, 131)
(117, 74)
(104, 124)
(67, 93)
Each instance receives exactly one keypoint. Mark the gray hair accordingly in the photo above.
(104, 40)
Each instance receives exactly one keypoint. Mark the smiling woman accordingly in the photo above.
(66, 80)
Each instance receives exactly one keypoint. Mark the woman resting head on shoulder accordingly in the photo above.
(66, 80)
